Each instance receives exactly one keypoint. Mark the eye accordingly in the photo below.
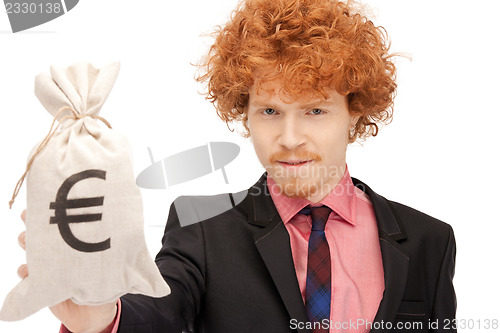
(269, 111)
(316, 111)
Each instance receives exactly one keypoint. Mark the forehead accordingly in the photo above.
(265, 88)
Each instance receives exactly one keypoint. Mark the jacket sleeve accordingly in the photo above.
(182, 265)
(445, 302)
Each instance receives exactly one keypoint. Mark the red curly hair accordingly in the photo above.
(312, 46)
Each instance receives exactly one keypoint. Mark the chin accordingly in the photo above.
(295, 187)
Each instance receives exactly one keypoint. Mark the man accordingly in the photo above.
(308, 249)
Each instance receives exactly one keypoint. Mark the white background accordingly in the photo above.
(439, 155)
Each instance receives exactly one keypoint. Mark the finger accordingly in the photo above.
(23, 216)
(21, 239)
(22, 271)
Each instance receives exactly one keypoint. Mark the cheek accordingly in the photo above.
(259, 141)
(333, 141)
(260, 147)
(334, 133)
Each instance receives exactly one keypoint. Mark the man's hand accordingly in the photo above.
(76, 318)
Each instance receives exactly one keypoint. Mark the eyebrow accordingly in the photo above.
(271, 105)
(264, 104)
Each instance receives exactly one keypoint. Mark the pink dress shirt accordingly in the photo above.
(351, 232)
(352, 235)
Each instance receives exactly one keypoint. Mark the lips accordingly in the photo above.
(294, 163)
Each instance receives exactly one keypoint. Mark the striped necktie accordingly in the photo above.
(318, 282)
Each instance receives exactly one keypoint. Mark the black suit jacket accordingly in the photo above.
(234, 273)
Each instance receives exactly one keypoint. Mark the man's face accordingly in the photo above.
(302, 143)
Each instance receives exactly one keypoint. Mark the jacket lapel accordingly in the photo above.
(273, 243)
(395, 259)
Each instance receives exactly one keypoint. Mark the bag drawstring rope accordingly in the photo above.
(75, 115)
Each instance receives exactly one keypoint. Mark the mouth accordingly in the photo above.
(293, 163)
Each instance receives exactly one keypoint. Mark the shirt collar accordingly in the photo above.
(342, 200)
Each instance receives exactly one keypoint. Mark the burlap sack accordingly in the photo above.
(84, 218)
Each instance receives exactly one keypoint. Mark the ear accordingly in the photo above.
(354, 121)
(248, 132)
(244, 120)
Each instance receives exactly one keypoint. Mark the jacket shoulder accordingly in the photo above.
(417, 222)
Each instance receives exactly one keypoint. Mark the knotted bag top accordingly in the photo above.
(80, 87)
(71, 93)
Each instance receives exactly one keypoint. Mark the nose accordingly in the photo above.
(291, 133)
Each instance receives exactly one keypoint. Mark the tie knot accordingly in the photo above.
(319, 216)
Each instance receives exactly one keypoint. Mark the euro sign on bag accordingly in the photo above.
(84, 215)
